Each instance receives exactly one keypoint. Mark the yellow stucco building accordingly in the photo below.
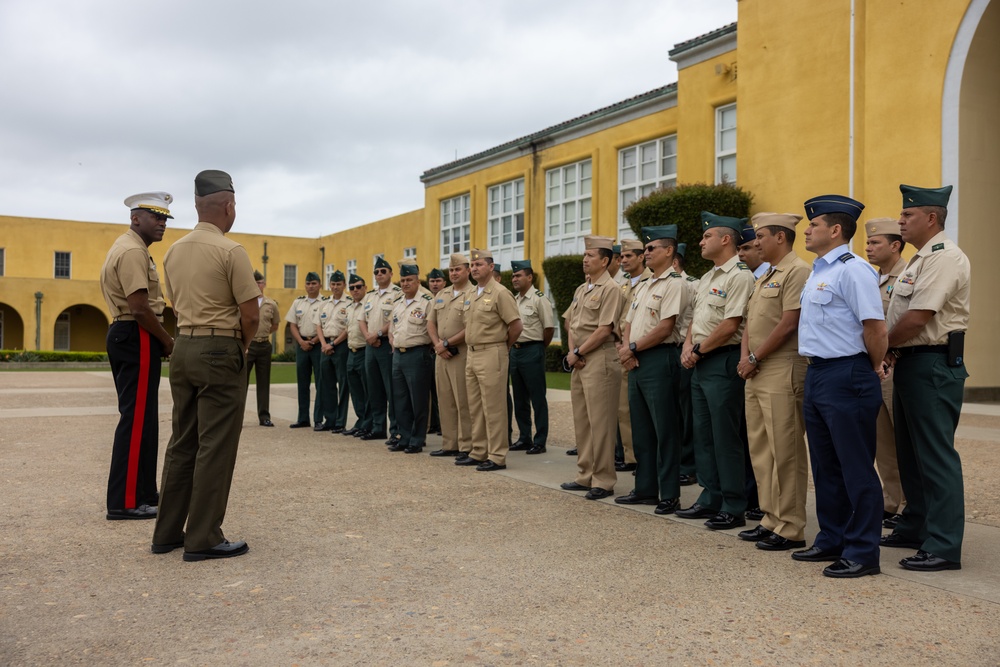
(795, 99)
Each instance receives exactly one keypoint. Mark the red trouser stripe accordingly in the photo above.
(138, 419)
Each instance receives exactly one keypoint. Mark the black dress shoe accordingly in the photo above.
(140, 512)
(414, 449)
(393, 439)
(596, 493)
(467, 461)
(898, 542)
(226, 549)
(397, 446)
(337, 429)
(624, 467)
(323, 427)
(299, 425)
(756, 534)
(369, 435)
(634, 499)
(267, 422)
(446, 452)
(815, 555)
(927, 562)
(520, 446)
(776, 542)
(725, 521)
(570, 452)
(361, 433)
(573, 486)
(848, 569)
(755, 514)
(891, 521)
(668, 506)
(696, 511)
(536, 449)
(688, 480)
(489, 466)
(166, 548)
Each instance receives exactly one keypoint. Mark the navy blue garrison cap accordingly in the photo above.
(833, 204)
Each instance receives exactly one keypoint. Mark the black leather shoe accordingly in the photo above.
(573, 486)
(299, 425)
(393, 439)
(927, 562)
(756, 534)
(895, 541)
(397, 446)
(414, 449)
(520, 446)
(668, 506)
(267, 422)
(489, 466)
(570, 452)
(755, 514)
(446, 452)
(322, 427)
(688, 480)
(696, 511)
(361, 433)
(140, 512)
(596, 493)
(337, 429)
(848, 569)
(536, 449)
(633, 499)
(351, 431)
(166, 548)
(226, 549)
(891, 521)
(467, 461)
(369, 435)
(776, 542)
(815, 555)
(624, 467)
(725, 521)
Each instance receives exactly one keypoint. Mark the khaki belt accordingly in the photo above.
(195, 331)
(262, 340)
(483, 346)
(129, 318)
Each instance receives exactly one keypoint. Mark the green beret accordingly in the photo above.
(380, 263)
(355, 278)
(258, 276)
(616, 249)
(312, 276)
(709, 220)
(914, 196)
(408, 270)
(520, 265)
(337, 277)
(660, 232)
(435, 273)
(682, 249)
(211, 181)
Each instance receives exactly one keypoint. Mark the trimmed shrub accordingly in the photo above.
(50, 356)
(287, 355)
(553, 359)
(563, 274)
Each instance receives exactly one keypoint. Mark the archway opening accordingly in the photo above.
(11, 328)
(80, 328)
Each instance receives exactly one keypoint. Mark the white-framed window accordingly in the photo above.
(505, 221)
(455, 231)
(642, 169)
(725, 144)
(3, 265)
(352, 267)
(329, 272)
(291, 276)
(410, 253)
(567, 208)
(63, 265)
(61, 339)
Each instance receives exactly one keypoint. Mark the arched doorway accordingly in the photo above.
(11, 328)
(80, 328)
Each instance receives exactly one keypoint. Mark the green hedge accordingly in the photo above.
(563, 274)
(49, 355)
(682, 205)
(553, 359)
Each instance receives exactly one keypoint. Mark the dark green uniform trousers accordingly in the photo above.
(378, 365)
(434, 421)
(208, 382)
(259, 355)
(333, 386)
(688, 466)
(527, 379)
(306, 364)
(717, 400)
(926, 405)
(653, 389)
(412, 373)
(357, 382)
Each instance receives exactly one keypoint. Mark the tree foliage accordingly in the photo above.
(563, 274)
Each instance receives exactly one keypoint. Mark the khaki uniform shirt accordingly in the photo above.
(304, 314)
(621, 278)
(629, 288)
(936, 278)
(489, 313)
(722, 294)
(887, 280)
(355, 339)
(775, 292)
(268, 317)
(656, 299)
(207, 276)
(332, 317)
(409, 321)
(536, 315)
(600, 305)
(378, 309)
(127, 269)
(684, 320)
(448, 310)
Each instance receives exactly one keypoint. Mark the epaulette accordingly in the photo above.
(539, 292)
(302, 297)
(846, 257)
(742, 265)
(428, 297)
(674, 274)
(324, 298)
(937, 246)
(692, 279)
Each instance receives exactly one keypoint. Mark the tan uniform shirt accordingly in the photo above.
(355, 339)
(684, 320)
(777, 291)
(629, 288)
(268, 317)
(207, 276)
(332, 317)
(656, 299)
(887, 280)
(936, 278)
(378, 309)
(448, 310)
(536, 315)
(594, 305)
(409, 321)
(304, 314)
(489, 313)
(722, 294)
(127, 269)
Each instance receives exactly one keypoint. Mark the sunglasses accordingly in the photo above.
(651, 247)
(357, 286)
(379, 272)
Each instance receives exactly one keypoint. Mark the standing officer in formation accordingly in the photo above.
(412, 366)
(136, 341)
(357, 375)
(633, 269)
(435, 282)
(842, 332)
(259, 354)
(614, 269)
(446, 327)
(928, 318)
(378, 358)
(750, 253)
(302, 316)
(775, 377)
(650, 352)
(688, 467)
(210, 281)
(492, 324)
(592, 329)
(527, 359)
(884, 248)
(331, 329)
(712, 349)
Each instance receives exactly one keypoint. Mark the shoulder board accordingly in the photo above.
(428, 297)
(539, 292)
(741, 265)
(396, 288)
(674, 274)
(937, 246)
(324, 298)
(692, 279)
(846, 257)
(301, 297)
(626, 275)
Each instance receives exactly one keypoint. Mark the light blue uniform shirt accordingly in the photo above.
(841, 292)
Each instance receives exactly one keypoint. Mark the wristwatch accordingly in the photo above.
(576, 352)
(444, 342)
(631, 346)
(752, 359)
(696, 350)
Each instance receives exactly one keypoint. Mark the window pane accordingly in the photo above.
(727, 169)
(727, 140)
(628, 176)
(727, 118)
(668, 166)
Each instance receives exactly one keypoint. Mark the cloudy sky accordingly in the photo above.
(325, 112)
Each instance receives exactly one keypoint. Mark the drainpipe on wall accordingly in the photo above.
(850, 129)
(38, 320)
(322, 266)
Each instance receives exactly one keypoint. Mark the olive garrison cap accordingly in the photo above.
(598, 242)
(616, 249)
(659, 232)
(520, 265)
(380, 263)
(408, 268)
(824, 204)
(710, 220)
(682, 249)
(497, 268)
(157, 202)
(337, 277)
(786, 220)
(211, 181)
(354, 279)
(435, 273)
(312, 277)
(258, 276)
(882, 226)
(914, 196)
